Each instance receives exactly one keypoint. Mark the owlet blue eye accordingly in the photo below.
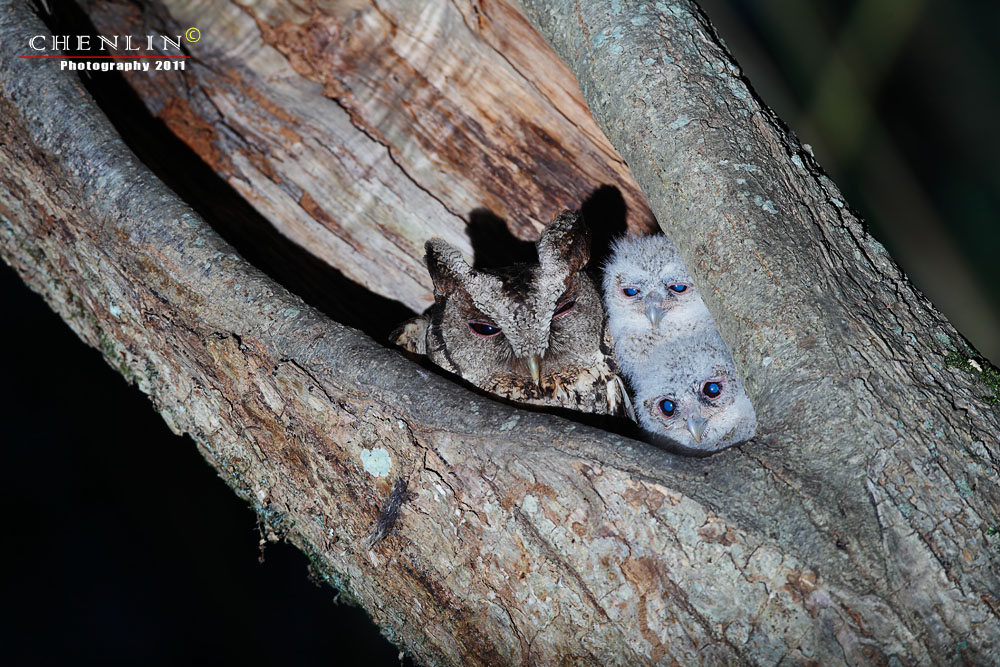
(667, 407)
(712, 389)
(679, 288)
(630, 291)
(484, 329)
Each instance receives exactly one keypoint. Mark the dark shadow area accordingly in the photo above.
(123, 546)
(493, 245)
(254, 238)
(605, 213)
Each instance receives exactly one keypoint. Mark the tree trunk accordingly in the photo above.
(892, 453)
(855, 528)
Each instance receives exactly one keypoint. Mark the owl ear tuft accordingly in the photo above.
(447, 267)
(565, 242)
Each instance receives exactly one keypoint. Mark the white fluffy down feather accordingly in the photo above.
(666, 344)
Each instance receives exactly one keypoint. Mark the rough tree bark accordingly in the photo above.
(855, 528)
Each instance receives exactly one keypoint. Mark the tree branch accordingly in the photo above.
(846, 361)
(853, 529)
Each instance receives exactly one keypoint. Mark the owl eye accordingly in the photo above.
(712, 389)
(484, 329)
(666, 407)
(563, 309)
(630, 291)
(678, 287)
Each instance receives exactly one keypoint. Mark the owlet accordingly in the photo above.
(650, 298)
(691, 399)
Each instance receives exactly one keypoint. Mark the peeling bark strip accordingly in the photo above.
(856, 529)
(361, 129)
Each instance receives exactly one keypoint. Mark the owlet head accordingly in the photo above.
(647, 287)
(692, 397)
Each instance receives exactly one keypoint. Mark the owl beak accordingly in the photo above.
(697, 427)
(534, 364)
(653, 311)
(655, 314)
(696, 424)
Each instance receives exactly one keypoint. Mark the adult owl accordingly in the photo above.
(650, 298)
(532, 333)
(690, 397)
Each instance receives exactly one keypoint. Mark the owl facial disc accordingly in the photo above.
(533, 333)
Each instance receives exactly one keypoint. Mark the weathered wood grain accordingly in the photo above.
(361, 129)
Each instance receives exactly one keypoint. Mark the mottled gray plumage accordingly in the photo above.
(532, 333)
(657, 311)
(686, 372)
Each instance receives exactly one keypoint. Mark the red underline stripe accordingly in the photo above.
(122, 57)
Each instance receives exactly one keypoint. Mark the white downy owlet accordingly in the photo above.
(690, 397)
(650, 298)
(687, 392)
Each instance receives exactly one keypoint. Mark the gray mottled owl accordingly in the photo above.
(691, 398)
(650, 298)
(532, 333)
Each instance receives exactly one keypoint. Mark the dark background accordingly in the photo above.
(124, 546)
(900, 100)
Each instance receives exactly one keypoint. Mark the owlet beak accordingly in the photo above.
(695, 422)
(655, 314)
(696, 426)
(534, 365)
